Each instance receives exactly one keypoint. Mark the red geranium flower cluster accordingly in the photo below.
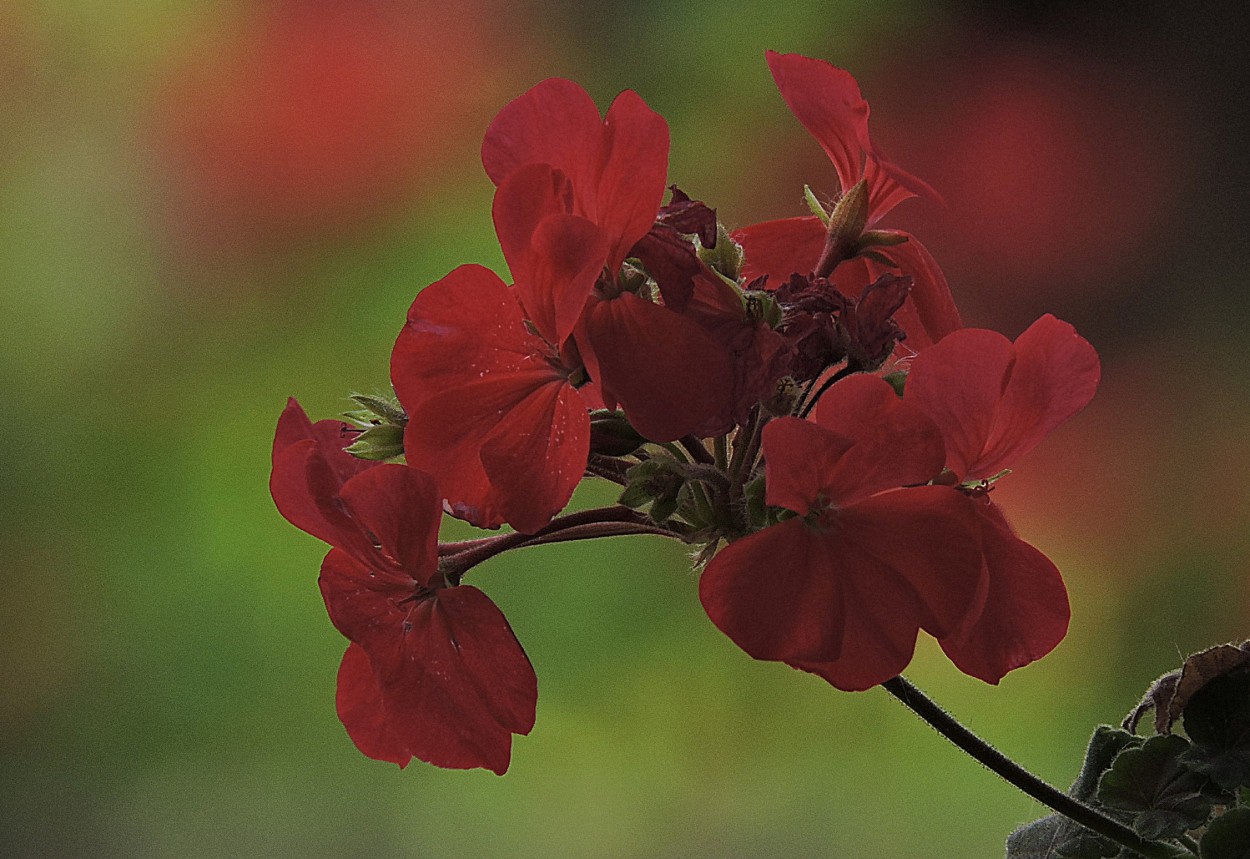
(797, 398)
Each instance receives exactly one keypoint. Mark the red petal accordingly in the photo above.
(293, 426)
(554, 123)
(536, 456)
(665, 371)
(958, 384)
(895, 444)
(828, 102)
(618, 166)
(800, 459)
(1054, 376)
(555, 257)
(847, 602)
(568, 255)
(778, 594)
(781, 248)
(508, 414)
(889, 185)
(930, 303)
(909, 560)
(458, 327)
(358, 701)
(1026, 610)
(635, 169)
(995, 401)
(399, 508)
(454, 682)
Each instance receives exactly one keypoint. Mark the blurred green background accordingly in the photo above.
(207, 206)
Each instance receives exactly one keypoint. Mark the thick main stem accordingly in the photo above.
(946, 725)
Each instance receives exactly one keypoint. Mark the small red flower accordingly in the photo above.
(827, 101)
(433, 671)
(667, 373)
(871, 557)
(993, 401)
(486, 372)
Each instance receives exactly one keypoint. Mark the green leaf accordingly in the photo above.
(1164, 796)
(1228, 836)
(1057, 837)
(1217, 720)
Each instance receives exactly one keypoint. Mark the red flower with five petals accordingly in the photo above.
(871, 557)
(668, 374)
(433, 670)
(485, 371)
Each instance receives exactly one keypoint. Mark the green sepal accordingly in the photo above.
(1057, 837)
(384, 409)
(1217, 720)
(1228, 836)
(814, 205)
(1164, 796)
(378, 443)
(881, 239)
(657, 482)
(897, 380)
(726, 258)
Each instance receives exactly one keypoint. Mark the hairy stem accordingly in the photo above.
(946, 725)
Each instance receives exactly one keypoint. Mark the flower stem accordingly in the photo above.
(946, 725)
(455, 559)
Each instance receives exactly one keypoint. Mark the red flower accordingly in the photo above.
(433, 671)
(842, 589)
(484, 371)
(827, 101)
(993, 402)
(667, 373)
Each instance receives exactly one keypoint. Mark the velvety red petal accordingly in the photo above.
(1026, 608)
(889, 185)
(781, 248)
(631, 185)
(464, 325)
(909, 560)
(358, 701)
(309, 467)
(554, 123)
(777, 593)
(400, 508)
(930, 303)
(537, 455)
(568, 255)
(1054, 376)
(305, 489)
(555, 257)
(958, 384)
(447, 434)
(801, 459)
(667, 373)
(293, 426)
(827, 101)
(923, 539)
(453, 679)
(846, 598)
(895, 444)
